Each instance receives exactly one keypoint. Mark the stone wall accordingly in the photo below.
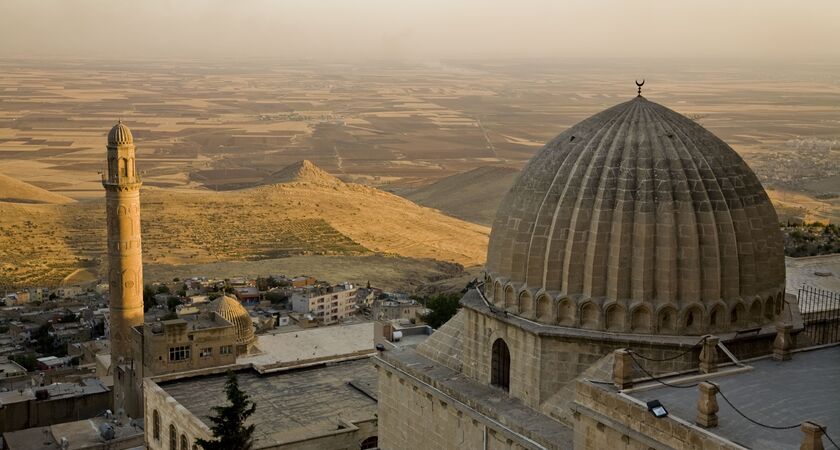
(414, 417)
(171, 413)
(542, 364)
(603, 419)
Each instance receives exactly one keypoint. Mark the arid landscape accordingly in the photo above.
(404, 163)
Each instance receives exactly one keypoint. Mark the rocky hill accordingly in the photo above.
(301, 172)
(473, 196)
(309, 212)
(15, 191)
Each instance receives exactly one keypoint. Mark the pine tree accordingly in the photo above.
(229, 428)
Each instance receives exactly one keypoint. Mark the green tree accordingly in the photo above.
(276, 297)
(229, 429)
(443, 307)
(148, 297)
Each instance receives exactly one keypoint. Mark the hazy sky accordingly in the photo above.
(421, 29)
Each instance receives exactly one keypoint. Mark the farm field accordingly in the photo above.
(214, 142)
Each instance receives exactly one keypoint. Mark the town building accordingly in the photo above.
(97, 433)
(193, 341)
(398, 309)
(248, 295)
(51, 404)
(328, 305)
(634, 230)
(313, 389)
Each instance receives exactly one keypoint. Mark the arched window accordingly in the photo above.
(369, 443)
(615, 318)
(500, 365)
(510, 299)
(173, 438)
(769, 308)
(640, 320)
(156, 425)
(123, 167)
(589, 316)
(667, 320)
(544, 309)
(736, 315)
(717, 317)
(184, 444)
(755, 312)
(565, 313)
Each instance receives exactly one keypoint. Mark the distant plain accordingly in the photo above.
(416, 130)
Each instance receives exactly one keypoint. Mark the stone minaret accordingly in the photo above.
(125, 273)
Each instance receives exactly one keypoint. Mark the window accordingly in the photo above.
(180, 353)
(156, 425)
(500, 365)
(206, 352)
(225, 350)
(173, 436)
(369, 443)
(184, 444)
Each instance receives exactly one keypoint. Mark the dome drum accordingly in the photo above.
(635, 316)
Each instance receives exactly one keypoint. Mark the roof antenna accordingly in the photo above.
(640, 87)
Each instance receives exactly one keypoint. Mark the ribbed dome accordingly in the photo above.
(120, 135)
(638, 220)
(235, 313)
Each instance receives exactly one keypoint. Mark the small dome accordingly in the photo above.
(233, 311)
(120, 135)
(638, 220)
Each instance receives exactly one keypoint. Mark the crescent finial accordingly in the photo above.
(640, 86)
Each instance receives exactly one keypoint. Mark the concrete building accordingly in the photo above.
(125, 273)
(98, 433)
(248, 295)
(327, 305)
(398, 310)
(194, 341)
(52, 404)
(634, 229)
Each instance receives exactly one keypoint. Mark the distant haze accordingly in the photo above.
(420, 29)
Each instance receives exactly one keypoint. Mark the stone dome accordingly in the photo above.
(120, 135)
(638, 220)
(233, 311)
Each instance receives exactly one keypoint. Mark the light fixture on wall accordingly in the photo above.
(656, 408)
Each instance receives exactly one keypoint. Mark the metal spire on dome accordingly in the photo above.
(639, 94)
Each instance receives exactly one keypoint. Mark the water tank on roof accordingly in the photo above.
(397, 336)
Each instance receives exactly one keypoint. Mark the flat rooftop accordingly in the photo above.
(806, 388)
(81, 434)
(291, 405)
(821, 272)
(311, 344)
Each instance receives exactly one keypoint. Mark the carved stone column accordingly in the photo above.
(783, 343)
(707, 406)
(812, 440)
(622, 369)
(708, 355)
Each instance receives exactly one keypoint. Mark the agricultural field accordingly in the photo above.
(214, 140)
